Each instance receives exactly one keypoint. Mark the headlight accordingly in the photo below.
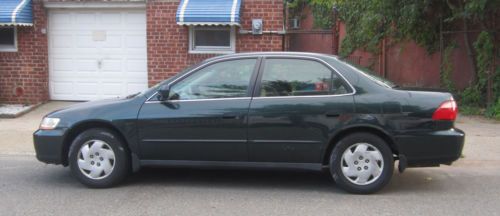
(49, 123)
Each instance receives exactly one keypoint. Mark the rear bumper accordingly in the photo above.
(49, 145)
(431, 148)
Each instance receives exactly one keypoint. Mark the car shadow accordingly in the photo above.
(412, 180)
(234, 179)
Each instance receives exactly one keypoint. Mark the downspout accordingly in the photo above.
(382, 59)
(284, 40)
(335, 33)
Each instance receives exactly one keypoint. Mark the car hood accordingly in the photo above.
(105, 110)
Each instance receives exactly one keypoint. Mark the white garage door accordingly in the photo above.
(95, 54)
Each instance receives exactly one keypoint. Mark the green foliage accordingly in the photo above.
(484, 57)
(322, 11)
(494, 110)
(470, 110)
(475, 94)
(369, 21)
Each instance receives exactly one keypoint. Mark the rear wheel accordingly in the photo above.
(361, 163)
(97, 158)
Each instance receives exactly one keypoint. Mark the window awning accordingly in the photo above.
(213, 12)
(16, 12)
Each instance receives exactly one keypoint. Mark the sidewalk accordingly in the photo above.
(17, 133)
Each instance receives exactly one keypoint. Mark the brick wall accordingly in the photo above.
(24, 74)
(168, 42)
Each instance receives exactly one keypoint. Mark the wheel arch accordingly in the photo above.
(356, 129)
(78, 128)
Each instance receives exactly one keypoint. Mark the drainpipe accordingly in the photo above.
(335, 32)
(382, 59)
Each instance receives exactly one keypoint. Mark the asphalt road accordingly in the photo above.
(471, 186)
(28, 187)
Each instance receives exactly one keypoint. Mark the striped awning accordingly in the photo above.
(16, 12)
(209, 12)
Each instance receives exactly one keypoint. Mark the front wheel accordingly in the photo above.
(97, 158)
(361, 163)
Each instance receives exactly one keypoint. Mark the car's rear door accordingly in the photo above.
(205, 118)
(297, 104)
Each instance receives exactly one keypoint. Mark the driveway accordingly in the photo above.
(468, 187)
(17, 134)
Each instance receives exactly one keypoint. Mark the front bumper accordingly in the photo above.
(431, 148)
(49, 145)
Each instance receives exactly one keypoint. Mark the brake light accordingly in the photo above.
(446, 111)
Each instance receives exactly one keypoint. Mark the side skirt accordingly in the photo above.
(233, 164)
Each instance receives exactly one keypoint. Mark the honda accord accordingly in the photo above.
(258, 110)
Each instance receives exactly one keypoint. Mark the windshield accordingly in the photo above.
(370, 74)
(187, 69)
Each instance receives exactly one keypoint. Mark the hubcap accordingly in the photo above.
(362, 163)
(96, 159)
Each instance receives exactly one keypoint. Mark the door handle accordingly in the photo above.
(231, 116)
(332, 114)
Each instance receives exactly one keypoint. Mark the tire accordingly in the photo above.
(98, 158)
(361, 163)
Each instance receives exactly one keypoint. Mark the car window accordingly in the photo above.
(226, 79)
(297, 77)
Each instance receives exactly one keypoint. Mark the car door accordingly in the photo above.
(205, 117)
(297, 104)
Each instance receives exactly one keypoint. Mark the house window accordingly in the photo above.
(8, 41)
(211, 39)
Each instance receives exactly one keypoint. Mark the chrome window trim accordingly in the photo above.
(300, 96)
(208, 99)
(259, 97)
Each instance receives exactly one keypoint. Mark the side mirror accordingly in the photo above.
(164, 92)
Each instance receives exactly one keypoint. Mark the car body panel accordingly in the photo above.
(295, 129)
(209, 130)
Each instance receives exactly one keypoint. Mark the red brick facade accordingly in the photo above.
(168, 42)
(24, 74)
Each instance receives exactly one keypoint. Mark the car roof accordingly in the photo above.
(284, 54)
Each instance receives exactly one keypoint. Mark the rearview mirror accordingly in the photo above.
(163, 92)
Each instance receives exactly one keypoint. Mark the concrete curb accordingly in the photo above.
(22, 112)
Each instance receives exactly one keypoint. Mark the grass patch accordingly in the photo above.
(470, 110)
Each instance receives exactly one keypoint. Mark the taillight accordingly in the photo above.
(446, 111)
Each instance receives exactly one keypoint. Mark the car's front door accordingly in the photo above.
(296, 106)
(205, 117)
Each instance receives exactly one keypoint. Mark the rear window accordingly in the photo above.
(370, 74)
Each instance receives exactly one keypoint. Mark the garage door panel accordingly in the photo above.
(112, 41)
(62, 40)
(62, 65)
(62, 88)
(135, 87)
(111, 65)
(136, 19)
(95, 54)
(87, 88)
(111, 18)
(85, 18)
(85, 41)
(86, 67)
(112, 88)
(136, 66)
(135, 41)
